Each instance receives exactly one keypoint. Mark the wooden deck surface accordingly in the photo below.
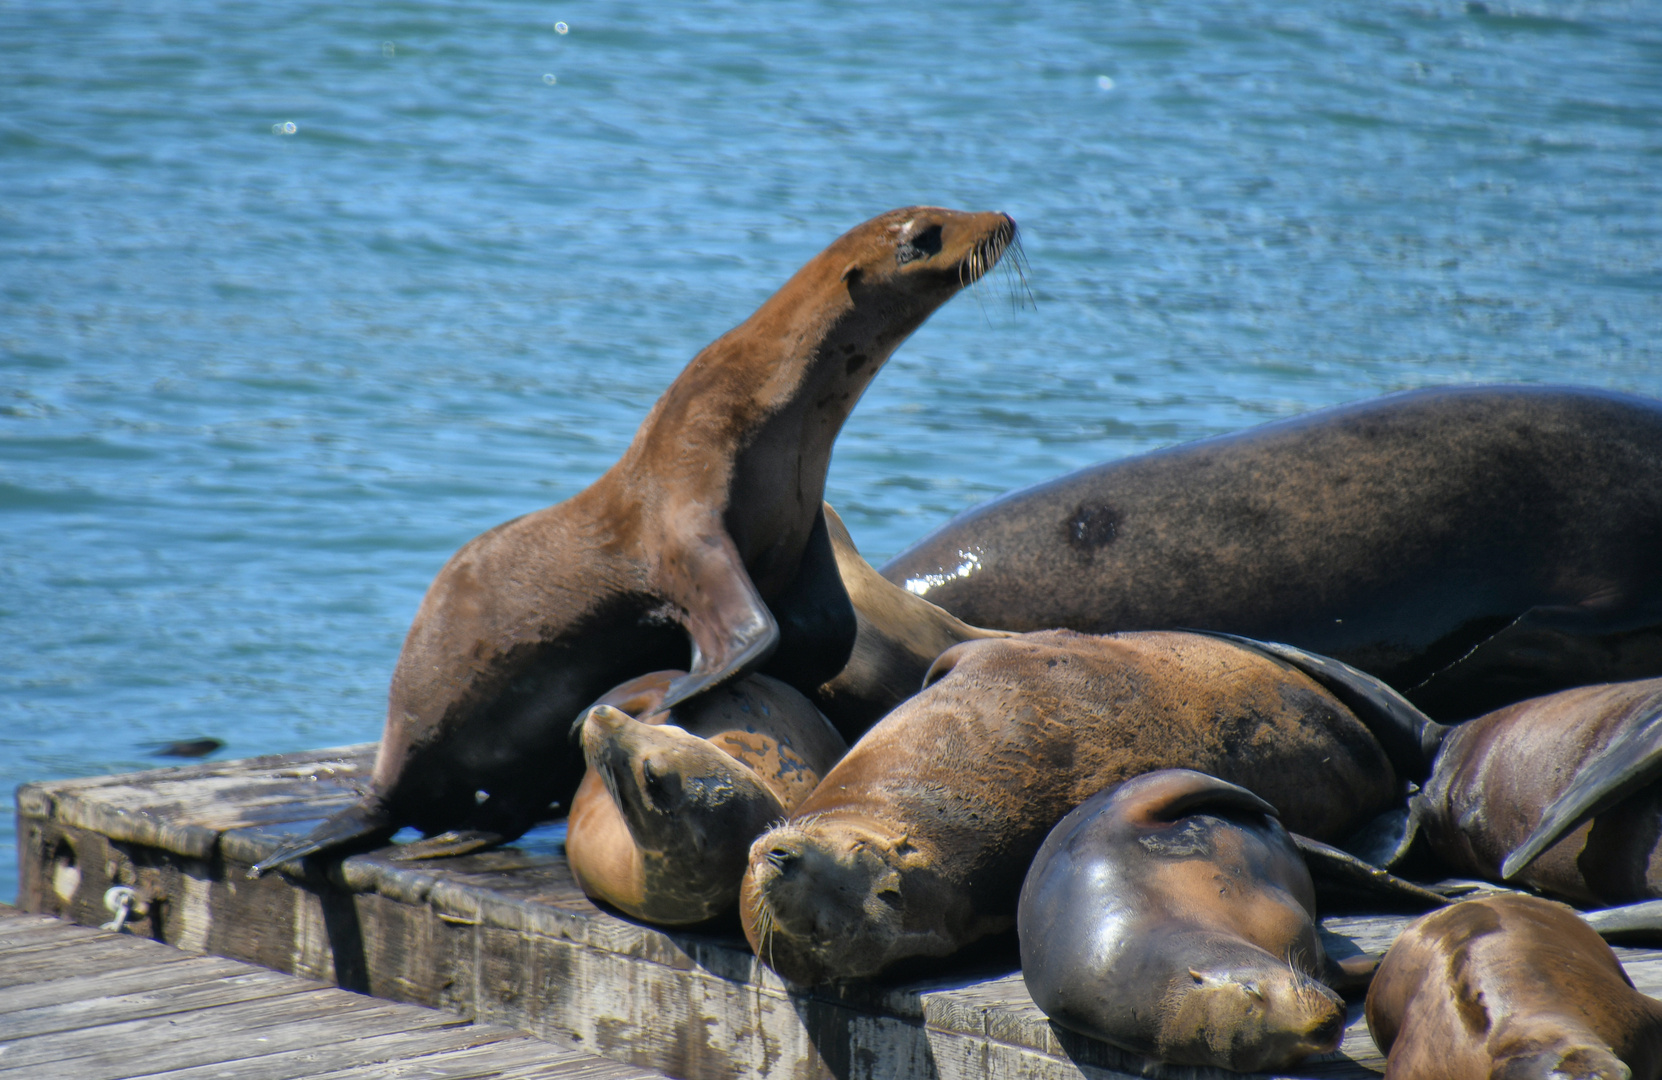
(83, 1004)
(507, 936)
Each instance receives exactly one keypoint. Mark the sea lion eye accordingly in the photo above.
(921, 246)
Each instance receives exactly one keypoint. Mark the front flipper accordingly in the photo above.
(732, 631)
(1343, 880)
(448, 844)
(1409, 737)
(1629, 762)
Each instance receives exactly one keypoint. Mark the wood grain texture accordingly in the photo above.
(83, 1004)
(506, 936)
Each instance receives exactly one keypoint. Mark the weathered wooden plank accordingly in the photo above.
(48, 964)
(506, 935)
(221, 1033)
(86, 1013)
(151, 975)
(450, 1053)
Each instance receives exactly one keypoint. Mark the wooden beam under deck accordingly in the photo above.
(507, 937)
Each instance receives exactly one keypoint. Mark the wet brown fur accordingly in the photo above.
(1471, 546)
(700, 525)
(915, 844)
(1495, 776)
(899, 635)
(1174, 916)
(1510, 987)
(757, 744)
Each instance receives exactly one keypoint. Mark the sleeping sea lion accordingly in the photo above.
(1174, 916)
(1471, 546)
(916, 842)
(707, 532)
(1558, 793)
(661, 825)
(898, 636)
(1510, 987)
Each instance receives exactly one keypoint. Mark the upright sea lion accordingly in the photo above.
(916, 843)
(898, 636)
(1510, 987)
(708, 530)
(1174, 916)
(1471, 546)
(1560, 792)
(661, 825)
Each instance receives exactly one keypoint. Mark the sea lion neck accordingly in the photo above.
(759, 408)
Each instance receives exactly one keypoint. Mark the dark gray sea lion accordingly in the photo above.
(1510, 987)
(898, 636)
(662, 823)
(1174, 916)
(701, 548)
(1470, 546)
(1559, 792)
(916, 843)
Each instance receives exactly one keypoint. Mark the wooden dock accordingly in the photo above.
(506, 937)
(81, 1004)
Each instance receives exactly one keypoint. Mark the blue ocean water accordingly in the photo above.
(296, 298)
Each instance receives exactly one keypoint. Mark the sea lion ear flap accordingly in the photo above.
(945, 662)
(1630, 761)
(1173, 793)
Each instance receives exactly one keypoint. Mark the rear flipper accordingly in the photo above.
(1343, 880)
(1641, 922)
(1408, 736)
(1629, 762)
(361, 826)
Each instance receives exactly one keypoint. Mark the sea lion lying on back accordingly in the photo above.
(1174, 916)
(1510, 988)
(661, 825)
(707, 532)
(1472, 546)
(916, 843)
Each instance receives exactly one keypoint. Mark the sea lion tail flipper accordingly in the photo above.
(1408, 736)
(732, 630)
(1344, 880)
(1630, 761)
(364, 824)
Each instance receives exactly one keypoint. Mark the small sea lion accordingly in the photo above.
(916, 842)
(704, 548)
(898, 636)
(1510, 987)
(1471, 546)
(1558, 793)
(1174, 916)
(661, 825)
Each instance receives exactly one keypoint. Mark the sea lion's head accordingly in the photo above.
(1246, 1010)
(691, 808)
(837, 897)
(853, 303)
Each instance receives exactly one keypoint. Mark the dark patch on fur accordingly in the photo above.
(1092, 527)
